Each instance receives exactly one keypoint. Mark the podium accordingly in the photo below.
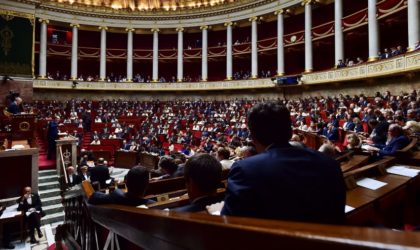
(23, 126)
(66, 154)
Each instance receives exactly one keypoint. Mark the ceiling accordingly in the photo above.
(149, 5)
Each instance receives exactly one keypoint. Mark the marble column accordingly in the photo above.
(43, 49)
(308, 36)
(102, 68)
(413, 23)
(280, 42)
(204, 52)
(338, 30)
(229, 54)
(254, 47)
(155, 75)
(129, 54)
(180, 58)
(74, 51)
(373, 31)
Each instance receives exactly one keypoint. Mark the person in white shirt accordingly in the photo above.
(96, 142)
(223, 155)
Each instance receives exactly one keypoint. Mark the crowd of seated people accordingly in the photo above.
(198, 126)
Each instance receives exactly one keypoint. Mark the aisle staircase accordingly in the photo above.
(49, 192)
(43, 162)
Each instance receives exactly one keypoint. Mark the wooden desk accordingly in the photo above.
(17, 218)
(354, 162)
(126, 159)
(150, 161)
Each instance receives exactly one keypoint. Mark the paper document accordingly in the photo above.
(9, 214)
(348, 209)
(403, 170)
(370, 183)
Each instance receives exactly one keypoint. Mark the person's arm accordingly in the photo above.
(100, 198)
(37, 204)
(238, 196)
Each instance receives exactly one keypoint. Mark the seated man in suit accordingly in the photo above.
(136, 180)
(31, 205)
(202, 175)
(283, 182)
(72, 177)
(396, 141)
(169, 168)
(100, 173)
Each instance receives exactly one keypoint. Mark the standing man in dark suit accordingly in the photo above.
(52, 136)
(31, 205)
(14, 106)
(100, 173)
(283, 182)
(203, 174)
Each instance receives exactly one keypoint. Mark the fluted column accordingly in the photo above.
(373, 31)
(254, 47)
(155, 75)
(102, 68)
(229, 56)
(413, 23)
(43, 49)
(338, 30)
(280, 42)
(308, 35)
(180, 68)
(204, 61)
(129, 54)
(74, 50)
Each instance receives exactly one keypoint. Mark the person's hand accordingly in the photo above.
(216, 208)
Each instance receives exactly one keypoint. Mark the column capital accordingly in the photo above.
(279, 12)
(154, 30)
(204, 27)
(307, 2)
(179, 29)
(130, 29)
(254, 18)
(228, 23)
(75, 25)
(103, 28)
(41, 20)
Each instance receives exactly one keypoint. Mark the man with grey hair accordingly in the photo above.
(396, 141)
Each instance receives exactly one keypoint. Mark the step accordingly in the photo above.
(48, 178)
(52, 209)
(53, 218)
(47, 172)
(48, 185)
(51, 200)
(49, 193)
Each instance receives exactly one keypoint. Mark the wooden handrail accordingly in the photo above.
(155, 229)
(63, 165)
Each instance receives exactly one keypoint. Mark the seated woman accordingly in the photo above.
(31, 205)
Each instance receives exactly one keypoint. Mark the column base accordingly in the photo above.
(73, 78)
(41, 78)
(280, 74)
(101, 80)
(155, 80)
(308, 71)
(129, 80)
(254, 77)
(179, 80)
(410, 49)
(372, 58)
(229, 78)
(203, 80)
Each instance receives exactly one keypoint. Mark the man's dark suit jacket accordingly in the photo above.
(13, 108)
(76, 180)
(394, 145)
(99, 173)
(198, 205)
(287, 183)
(117, 197)
(25, 206)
